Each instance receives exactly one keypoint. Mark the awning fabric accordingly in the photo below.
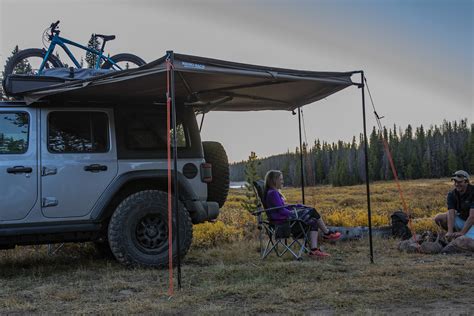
(204, 83)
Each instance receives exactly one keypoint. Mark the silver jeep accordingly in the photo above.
(78, 172)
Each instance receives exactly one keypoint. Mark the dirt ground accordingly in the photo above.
(232, 279)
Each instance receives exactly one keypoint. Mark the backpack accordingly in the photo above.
(400, 225)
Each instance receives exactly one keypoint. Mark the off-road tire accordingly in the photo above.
(218, 188)
(124, 57)
(26, 53)
(130, 228)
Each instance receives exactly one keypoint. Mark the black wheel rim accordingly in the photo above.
(151, 232)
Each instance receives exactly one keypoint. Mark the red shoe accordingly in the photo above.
(318, 254)
(332, 235)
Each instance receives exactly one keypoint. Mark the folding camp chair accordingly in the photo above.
(290, 236)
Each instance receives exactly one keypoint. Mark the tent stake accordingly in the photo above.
(301, 155)
(369, 212)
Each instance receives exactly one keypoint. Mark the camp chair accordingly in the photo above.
(290, 236)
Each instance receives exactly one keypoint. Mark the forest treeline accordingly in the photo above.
(417, 153)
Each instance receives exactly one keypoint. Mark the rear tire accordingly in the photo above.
(218, 188)
(125, 57)
(138, 230)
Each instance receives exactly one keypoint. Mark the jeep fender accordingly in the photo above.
(198, 210)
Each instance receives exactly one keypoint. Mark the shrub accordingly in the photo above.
(212, 234)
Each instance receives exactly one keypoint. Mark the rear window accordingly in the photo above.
(142, 133)
(14, 132)
(147, 131)
(78, 132)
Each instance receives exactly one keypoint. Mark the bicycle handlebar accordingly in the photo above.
(54, 26)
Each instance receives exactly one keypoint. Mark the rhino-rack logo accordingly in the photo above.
(192, 65)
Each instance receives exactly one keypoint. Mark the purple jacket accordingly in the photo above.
(274, 199)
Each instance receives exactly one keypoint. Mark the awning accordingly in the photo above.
(204, 83)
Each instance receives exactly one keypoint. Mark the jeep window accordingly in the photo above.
(147, 131)
(141, 132)
(14, 129)
(78, 132)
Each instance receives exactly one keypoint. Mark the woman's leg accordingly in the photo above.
(319, 221)
(327, 234)
(314, 239)
(322, 226)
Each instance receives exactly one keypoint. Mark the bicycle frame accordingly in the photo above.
(57, 40)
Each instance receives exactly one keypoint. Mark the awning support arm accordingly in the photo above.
(251, 97)
(202, 121)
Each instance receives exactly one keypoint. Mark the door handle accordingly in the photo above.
(95, 168)
(19, 169)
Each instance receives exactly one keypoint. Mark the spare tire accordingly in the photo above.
(218, 188)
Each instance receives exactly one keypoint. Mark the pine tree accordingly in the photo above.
(251, 200)
(426, 153)
(2, 93)
(470, 151)
(90, 57)
(375, 155)
(452, 161)
(22, 67)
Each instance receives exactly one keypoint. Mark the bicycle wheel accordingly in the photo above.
(124, 61)
(28, 61)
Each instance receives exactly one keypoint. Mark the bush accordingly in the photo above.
(212, 234)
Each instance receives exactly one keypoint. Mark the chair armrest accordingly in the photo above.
(272, 209)
(258, 212)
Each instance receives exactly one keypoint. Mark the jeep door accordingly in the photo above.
(78, 160)
(18, 163)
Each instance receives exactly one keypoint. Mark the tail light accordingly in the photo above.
(206, 172)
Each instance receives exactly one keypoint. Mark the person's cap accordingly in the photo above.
(460, 175)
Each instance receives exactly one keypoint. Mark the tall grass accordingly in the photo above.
(339, 206)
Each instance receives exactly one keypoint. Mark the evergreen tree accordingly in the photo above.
(23, 67)
(90, 57)
(427, 153)
(470, 151)
(251, 200)
(452, 161)
(375, 155)
(2, 93)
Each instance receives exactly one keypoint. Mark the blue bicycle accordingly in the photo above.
(34, 61)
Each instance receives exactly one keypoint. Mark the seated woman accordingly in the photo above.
(274, 198)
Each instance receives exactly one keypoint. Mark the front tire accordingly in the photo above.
(138, 230)
(130, 60)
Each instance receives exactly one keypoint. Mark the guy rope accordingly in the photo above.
(392, 165)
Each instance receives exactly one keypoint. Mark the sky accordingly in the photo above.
(417, 55)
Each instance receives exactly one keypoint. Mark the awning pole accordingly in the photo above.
(369, 213)
(175, 171)
(301, 155)
(202, 121)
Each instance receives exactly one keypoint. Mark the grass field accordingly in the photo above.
(341, 206)
(230, 278)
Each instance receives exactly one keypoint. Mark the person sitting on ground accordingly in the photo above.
(274, 198)
(459, 219)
